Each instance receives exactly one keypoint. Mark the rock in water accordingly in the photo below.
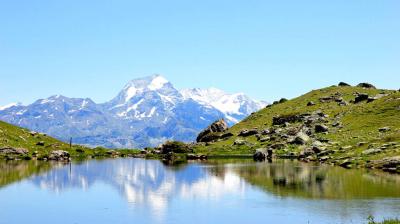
(174, 147)
(260, 155)
(216, 127)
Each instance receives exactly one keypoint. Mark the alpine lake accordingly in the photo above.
(129, 190)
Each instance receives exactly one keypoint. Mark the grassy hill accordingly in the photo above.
(28, 144)
(358, 133)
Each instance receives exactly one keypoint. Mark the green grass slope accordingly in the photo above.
(40, 145)
(357, 132)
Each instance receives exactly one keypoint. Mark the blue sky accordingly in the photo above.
(267, 49)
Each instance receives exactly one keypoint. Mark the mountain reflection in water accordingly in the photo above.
(148, 185)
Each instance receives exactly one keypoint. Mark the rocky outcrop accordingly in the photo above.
(13, 151)
(262, 154)
(289, 118)
(366, 85)
(342, 84)
(388, 164)
(336, 97)
(282, 100)
(209, 134)
(361, 97)
(59, 155)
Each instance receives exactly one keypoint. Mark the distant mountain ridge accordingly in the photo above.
(146, 112)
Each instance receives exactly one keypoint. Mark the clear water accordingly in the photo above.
(220, 191)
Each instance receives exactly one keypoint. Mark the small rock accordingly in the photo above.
(306, 152)
(196, 157)
(362, 143)
(319, 128)
(324, 158)
(265, 139)
(346, 163)
(300, 139)
(371, 151)
(239, 142)
(278, 146)
(282, 119)
(311, 103)
(41, 143)
(33, 133)
(346, 147)
(226, 135)
(316, 149)
(384, 129)
(246, 133)
(266, 132)
(325, 153)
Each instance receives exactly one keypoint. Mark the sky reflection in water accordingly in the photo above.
(146, 191)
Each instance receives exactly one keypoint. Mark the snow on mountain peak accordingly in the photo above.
(150, 83)
(232, 105)
(10, 105)
(157, 83)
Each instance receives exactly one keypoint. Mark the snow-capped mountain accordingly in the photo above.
(147, 112)
(234, 106)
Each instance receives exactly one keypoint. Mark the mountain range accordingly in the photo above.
(147, 112)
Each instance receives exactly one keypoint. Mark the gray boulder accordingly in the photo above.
(13, 151)
(300, 139)
(260, 155)
(216, 127)
(239, 142)
(59, 155)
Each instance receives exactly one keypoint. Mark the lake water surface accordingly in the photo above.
(219, 191)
